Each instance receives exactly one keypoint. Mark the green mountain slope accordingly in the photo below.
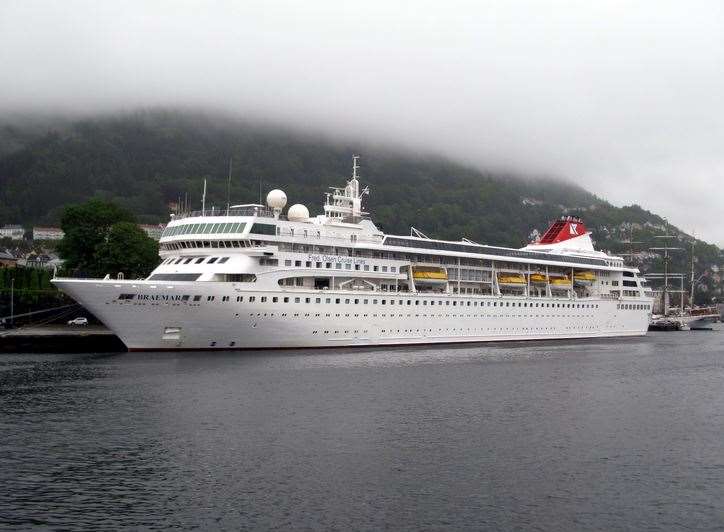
(148, 160)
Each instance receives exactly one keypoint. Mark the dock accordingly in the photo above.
(60, 339)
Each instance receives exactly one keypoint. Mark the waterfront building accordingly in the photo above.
(47, 233)
(7, 259)
(12, 231)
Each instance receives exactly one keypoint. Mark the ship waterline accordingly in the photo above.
(251, 278)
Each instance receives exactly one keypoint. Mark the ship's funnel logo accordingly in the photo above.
(563, 229)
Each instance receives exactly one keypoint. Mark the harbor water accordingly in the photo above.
(621, 434)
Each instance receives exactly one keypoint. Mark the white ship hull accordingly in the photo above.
(158, 318)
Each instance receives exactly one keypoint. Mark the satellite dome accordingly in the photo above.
(276, 199)
(298, 213)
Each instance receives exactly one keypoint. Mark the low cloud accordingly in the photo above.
(623, 98)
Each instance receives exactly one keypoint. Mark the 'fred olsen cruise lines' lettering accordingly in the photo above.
(252, 276)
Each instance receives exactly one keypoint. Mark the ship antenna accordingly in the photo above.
(228, 187)
(203, 201)
(355, 166)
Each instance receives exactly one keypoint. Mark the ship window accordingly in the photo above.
(327, 300)
(376, 268)
(286, 300)
(318, 265)
(263, 299)
(356, 266)
(178, 261)
(298, 263)
(212, 260)
(197, 298)
(328, 265)
(222, 260)
(264, 229)
(338, 266)
(384, 268)
(174, 277)
(367, 267)
(252, 299)
(187, 261)
(240, 278)
(307, 300)
(207, 228)
(275, 299)
(296, 300)
(239, 299)
(337, 301)
(308, 264)
(348, 266)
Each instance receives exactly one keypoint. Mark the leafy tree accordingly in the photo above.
(127, 249)
(101, 237)
(86, 227)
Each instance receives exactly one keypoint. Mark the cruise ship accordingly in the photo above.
(252, 276)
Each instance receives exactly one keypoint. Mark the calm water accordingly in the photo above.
(605, 435)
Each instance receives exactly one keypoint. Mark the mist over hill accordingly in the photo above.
(147, 160)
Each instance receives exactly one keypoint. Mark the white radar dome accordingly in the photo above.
(276, 199)
(298, 213)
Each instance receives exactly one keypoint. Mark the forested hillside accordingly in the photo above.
(147, 160)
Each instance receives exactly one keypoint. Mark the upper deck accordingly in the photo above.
(343, 229)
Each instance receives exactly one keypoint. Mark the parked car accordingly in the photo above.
(78, 321)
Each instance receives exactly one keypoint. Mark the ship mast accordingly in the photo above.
(665, 293)
(691, 296)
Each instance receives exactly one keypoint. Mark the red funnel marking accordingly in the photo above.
(563, 230)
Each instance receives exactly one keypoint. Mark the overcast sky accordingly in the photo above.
(625, 98)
